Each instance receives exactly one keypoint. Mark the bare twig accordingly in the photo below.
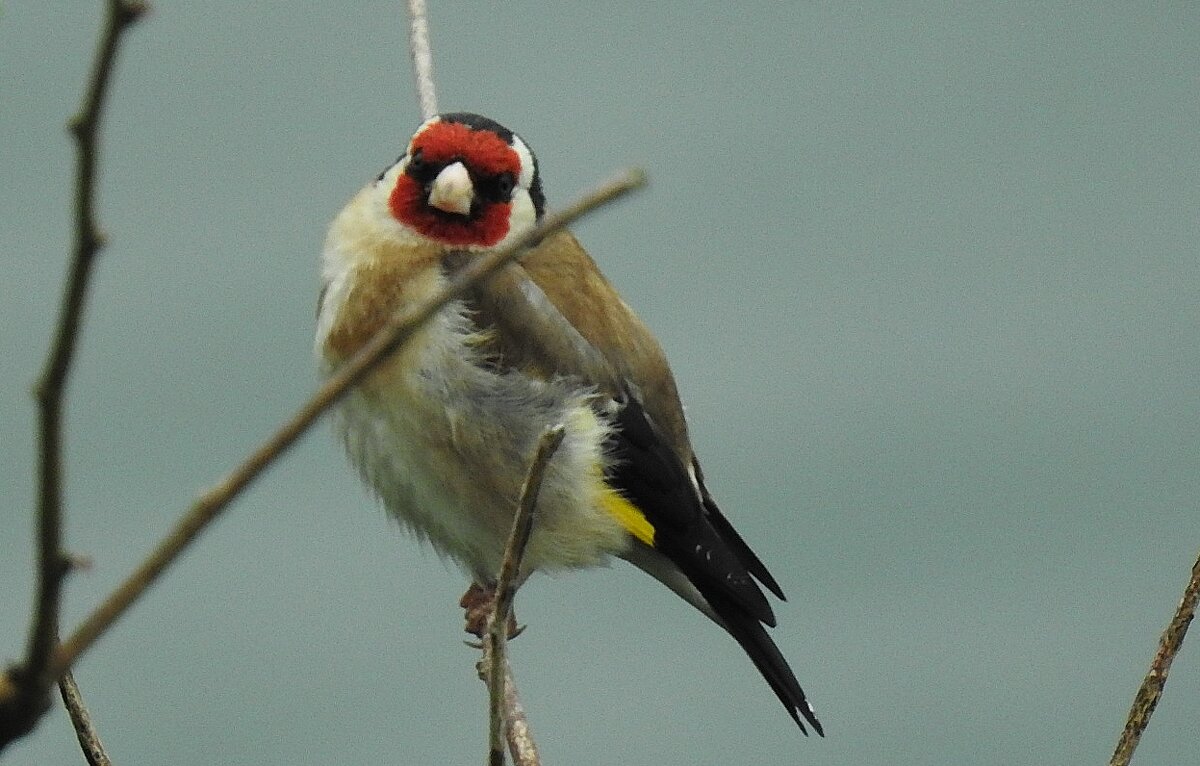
(506, 716)
(422, 57)
(1151, 689)
(85, 127)
(89, 740)
(24, 692)
(522, 529)
(516, 726)
(209, 505)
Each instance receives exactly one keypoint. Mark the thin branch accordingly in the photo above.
(32, 680)
(85, 127)
(1151, 689)
(522, 529)
(209, 505)
(503, 704)
(89, 740)
(422, 57)
(516, 726)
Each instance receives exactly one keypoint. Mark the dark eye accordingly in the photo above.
(504, 185)
(416, 163)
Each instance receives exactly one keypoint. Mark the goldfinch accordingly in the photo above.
(443, 431)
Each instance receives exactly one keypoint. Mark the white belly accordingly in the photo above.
(446, 444)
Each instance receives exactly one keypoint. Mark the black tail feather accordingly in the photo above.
(695, 537)
(748, 557)
(758, 645)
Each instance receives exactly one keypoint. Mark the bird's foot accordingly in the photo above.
(478, 603)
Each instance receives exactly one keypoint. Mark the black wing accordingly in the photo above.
(691, 537)
(690, 531)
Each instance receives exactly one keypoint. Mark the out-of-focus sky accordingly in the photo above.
(928, 276)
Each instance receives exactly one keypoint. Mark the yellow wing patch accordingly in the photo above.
(628, 515)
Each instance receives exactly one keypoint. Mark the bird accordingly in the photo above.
(443, 430)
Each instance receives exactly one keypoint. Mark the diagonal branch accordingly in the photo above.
(24, 692)
(209, 505)
(506, 717)
(1151, 689)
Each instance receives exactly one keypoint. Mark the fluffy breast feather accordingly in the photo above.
(443, 438)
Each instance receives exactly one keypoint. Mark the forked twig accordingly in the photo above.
(506, 716)
(1151, 689)
(24, 690)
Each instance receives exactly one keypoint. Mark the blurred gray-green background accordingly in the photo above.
(928, 276)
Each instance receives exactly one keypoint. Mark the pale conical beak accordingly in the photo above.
(452, 191)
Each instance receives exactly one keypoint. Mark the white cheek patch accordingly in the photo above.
(388, 179)
(521, 217)
(527, 165)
